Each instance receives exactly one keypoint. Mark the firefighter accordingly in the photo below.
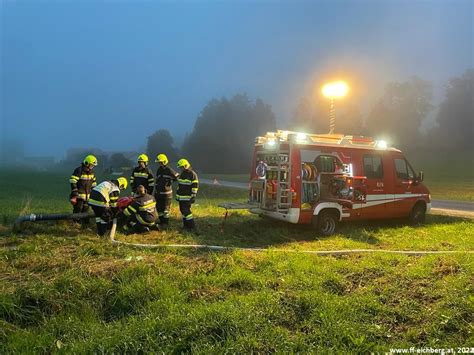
(188, 185)
(104, 198)
(165, 176)
(142, 175)
(141, 213)
(82, 181)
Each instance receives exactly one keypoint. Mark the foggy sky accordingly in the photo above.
(109, 73)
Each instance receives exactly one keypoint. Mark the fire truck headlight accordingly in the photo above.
(381, 144)
(271, 143)
(301, 137)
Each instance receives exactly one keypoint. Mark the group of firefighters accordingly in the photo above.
(152, 195)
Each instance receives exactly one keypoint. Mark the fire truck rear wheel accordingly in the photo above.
(326, 222)
(417, 214)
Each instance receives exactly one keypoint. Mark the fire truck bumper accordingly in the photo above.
(292, 216)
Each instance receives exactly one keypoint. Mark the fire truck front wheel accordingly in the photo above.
(326, 222)
(418, 214)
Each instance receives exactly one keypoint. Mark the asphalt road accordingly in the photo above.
(461, 208)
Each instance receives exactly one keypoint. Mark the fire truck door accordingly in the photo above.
(378, 198)
(403, 178)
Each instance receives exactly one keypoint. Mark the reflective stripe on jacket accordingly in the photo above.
(105, 194)
(142, 176)
(144, 207)
(188, 185)
(82, 181)
(164, 180)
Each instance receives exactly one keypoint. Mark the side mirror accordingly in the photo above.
(421, 176)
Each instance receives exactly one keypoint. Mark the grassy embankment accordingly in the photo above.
(63, 289)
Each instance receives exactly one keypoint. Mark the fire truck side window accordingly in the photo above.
(373, 168)
(403, 170)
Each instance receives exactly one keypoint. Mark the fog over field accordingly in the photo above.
(107, 75)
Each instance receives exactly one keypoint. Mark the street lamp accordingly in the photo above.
(334, 90)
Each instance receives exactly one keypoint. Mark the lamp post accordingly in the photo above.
(332, 91)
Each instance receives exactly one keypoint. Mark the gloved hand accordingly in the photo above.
(73, 200)
(73, 194)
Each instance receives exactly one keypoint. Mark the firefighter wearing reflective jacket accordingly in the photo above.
(103, 200)
(141, 213)
(142, 175)
(188, 185)
(165, 176)
(82, 181)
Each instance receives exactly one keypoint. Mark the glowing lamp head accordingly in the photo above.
(335, 89)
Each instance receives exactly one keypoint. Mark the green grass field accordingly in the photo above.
(63, 289)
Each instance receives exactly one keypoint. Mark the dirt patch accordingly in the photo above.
(206, 293)
(445, 267)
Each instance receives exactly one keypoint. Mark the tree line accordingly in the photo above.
(223, 135)
(224, 132)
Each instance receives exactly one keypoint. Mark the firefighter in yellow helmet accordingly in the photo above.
(104, 198)
(165, 176)
(142, 175)
(188, 185)
(82, 181)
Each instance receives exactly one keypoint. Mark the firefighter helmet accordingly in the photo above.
(90, 160)
(162, 158)
(183, 163)
(122, 183)
(143, 158)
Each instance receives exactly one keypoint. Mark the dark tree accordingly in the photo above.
(224, 133)
(161, 142)
(118, 161)
(455, 130)
(398, 114)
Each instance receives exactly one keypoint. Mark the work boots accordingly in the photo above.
(190, 226)
(164, 222)
(103, 228)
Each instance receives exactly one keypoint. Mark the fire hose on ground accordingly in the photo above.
(78, 216)
(314, 252)
(50, 217)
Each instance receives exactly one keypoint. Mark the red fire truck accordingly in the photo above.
(327, 178)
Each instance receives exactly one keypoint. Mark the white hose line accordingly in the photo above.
(314, 252)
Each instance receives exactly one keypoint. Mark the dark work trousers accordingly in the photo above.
(188, 219)
(103, 219)
(163, 205)
(80, 207)
(135, 226)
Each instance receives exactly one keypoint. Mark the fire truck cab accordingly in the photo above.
(327, 178)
